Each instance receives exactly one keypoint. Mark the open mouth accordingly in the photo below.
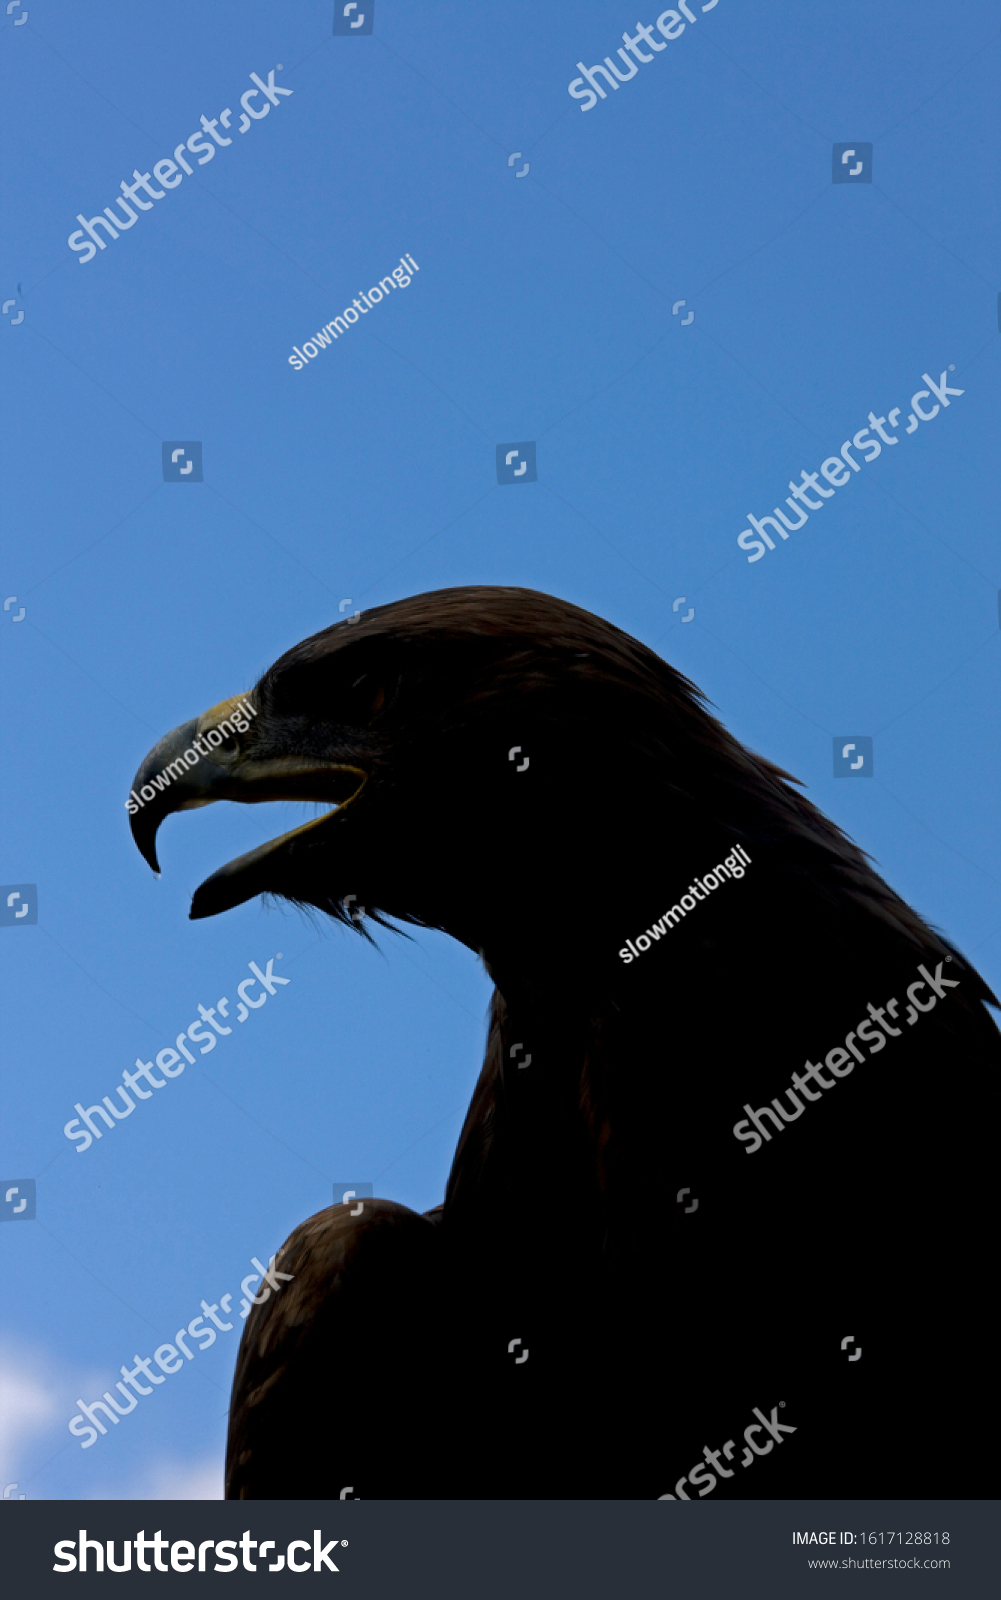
(257, 871)
(191, 768)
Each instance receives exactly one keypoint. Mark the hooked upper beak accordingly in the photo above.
(198, 763)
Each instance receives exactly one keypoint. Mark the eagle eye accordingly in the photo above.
(330, 692)
(368, 696)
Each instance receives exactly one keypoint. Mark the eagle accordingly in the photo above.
(720, 1215)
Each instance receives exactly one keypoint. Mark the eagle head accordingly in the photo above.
(487, 754)
(498, 763)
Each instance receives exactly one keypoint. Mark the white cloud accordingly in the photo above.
(34, 1410)
(27, 1409)
(185, 1480)
(168, 1478)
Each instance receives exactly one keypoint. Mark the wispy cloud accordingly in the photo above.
(34, 1406)
(168, 1478)
(28, 1409)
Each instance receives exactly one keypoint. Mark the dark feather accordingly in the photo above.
(654, 1331)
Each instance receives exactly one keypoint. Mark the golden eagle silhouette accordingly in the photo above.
(567, 1323)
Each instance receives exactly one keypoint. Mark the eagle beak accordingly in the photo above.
(210, 759)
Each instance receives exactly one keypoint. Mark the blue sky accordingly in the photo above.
(542, 310)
